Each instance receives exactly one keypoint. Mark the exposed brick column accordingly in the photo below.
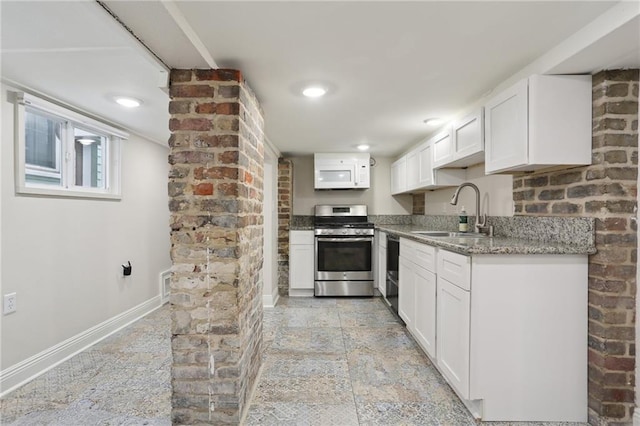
(418, 203)
(215, 189)
(607, 191)
(285, 211)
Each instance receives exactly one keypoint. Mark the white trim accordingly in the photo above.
(27, 370)
(189, 32)
(270, 301)
(64, 193)
(71, 120)
(13, 86)
(65, 113)
(271, 147)
(165, 275)
(294, 292)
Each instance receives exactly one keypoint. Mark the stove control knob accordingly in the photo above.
(344, 232)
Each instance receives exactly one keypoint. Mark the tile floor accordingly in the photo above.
(326, 362)
(347, 362)
(123, 380)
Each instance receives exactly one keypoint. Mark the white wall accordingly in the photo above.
(378, 197)
(496, 195)
(62, 256)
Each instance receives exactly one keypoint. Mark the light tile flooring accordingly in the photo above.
(347, 361)
(326, 362)
(123, 380)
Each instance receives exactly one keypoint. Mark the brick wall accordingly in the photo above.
(607, 191)
(418, 203)
(285, 212)
(215, 191)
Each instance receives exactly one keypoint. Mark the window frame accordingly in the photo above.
(71, 121)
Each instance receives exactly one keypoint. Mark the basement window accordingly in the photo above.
(60, 152)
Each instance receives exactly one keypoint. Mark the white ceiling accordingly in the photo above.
(389, 65)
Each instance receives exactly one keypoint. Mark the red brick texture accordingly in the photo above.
(606, 191)
(285, 212)
(215, 199)
(418, 203)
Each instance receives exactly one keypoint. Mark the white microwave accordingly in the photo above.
(341, 171)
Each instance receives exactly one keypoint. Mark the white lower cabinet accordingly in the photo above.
(301, 263)
(508, 332)
(453, 308)
(417, 292)
(406, 291)
(424, 328)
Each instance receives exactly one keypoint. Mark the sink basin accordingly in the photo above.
(447, 234)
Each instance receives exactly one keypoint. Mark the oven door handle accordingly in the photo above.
(344, 240)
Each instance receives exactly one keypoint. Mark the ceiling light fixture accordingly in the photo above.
(363, 147)
(432, 121)
(85, 141)
(314, 91)
(128, 102)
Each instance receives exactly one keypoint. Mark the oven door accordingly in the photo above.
(344, 258)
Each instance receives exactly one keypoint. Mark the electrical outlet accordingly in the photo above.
(9, 303)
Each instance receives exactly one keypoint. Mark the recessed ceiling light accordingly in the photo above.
(128, 102)
(314, 91)
(432, 121)
(363, 147)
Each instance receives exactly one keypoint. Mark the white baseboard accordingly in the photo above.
(25, 371)
(270, 301)
(300, 293)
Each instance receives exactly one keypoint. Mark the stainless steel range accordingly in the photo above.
(343, 251)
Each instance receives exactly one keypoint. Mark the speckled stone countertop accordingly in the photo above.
(514, 235)
(494, 245)
(301, 223)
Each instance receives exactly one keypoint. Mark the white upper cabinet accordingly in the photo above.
(413, 167)
(468, 140)
(542, 121)
(442, 145)
(399, 176)
(425, 169)
(419, 174)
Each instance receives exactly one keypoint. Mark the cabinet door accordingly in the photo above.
(442, 146)
(506, 129)
(301, 266)
(399, 176)
(425, 314)
(425, 176)
(453, 335)
(468, 140)
(413, 166)
(406, 292)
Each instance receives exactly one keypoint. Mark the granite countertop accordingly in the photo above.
(301, 228)
(494, 245)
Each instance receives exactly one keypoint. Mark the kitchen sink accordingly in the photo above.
(447, 234)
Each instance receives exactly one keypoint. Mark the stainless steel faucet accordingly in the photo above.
(481, 220)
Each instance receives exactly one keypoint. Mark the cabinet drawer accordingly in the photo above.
(301, 237)
(455, 268)
(421, 254)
